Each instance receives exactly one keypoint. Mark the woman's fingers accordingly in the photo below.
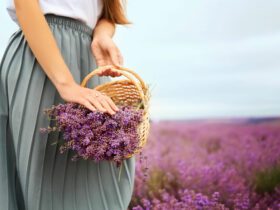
(120, 57)
(104, 69)
(97, 104)
(107, 56)
(108, 70)
(102, 102)
(99, 58)
(115, 56)
(117, 73)
(106, 105)
(112, 104)
(88, 105)
(106, 52)
(89, 98)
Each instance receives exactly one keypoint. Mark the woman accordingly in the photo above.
(58, 43)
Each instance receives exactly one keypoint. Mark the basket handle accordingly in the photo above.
(141, 89)
(144, 87)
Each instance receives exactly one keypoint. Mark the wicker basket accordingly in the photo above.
(131, 91)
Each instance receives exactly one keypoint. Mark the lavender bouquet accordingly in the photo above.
(96, 135)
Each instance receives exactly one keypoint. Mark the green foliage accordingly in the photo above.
(158, 180)
(267, 180)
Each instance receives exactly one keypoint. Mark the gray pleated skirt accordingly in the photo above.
(33, 174)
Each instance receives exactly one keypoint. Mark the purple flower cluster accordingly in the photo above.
(186, 200)
(238, 161)
(96, 135)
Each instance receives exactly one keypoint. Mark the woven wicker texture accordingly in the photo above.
(131, 91)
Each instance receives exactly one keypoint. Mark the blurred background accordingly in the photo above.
(206, 58)
(214, 70)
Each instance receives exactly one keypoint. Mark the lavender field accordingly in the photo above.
(210, 165)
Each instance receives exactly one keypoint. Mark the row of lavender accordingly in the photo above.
(210, 165)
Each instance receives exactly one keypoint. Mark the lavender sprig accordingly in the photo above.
(96, 135)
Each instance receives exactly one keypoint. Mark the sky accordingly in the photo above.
(202, 59)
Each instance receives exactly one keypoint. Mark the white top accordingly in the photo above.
(87, 11)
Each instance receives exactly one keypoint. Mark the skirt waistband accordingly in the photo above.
(69, 22)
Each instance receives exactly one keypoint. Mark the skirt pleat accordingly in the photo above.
(33, 173)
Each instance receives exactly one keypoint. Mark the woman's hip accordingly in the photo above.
(23, 82)
(73, 38)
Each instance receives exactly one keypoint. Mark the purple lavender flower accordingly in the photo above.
(213, 166)
(95, 135)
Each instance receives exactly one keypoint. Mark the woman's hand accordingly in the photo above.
(108, 59)
(109, 70)
(106, 54)
(90, 98)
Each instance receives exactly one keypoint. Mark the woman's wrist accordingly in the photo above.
(104, 28)
(64, 81)
(100, 36)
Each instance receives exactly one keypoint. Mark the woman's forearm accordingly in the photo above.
(104, 27)
(42, 43)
